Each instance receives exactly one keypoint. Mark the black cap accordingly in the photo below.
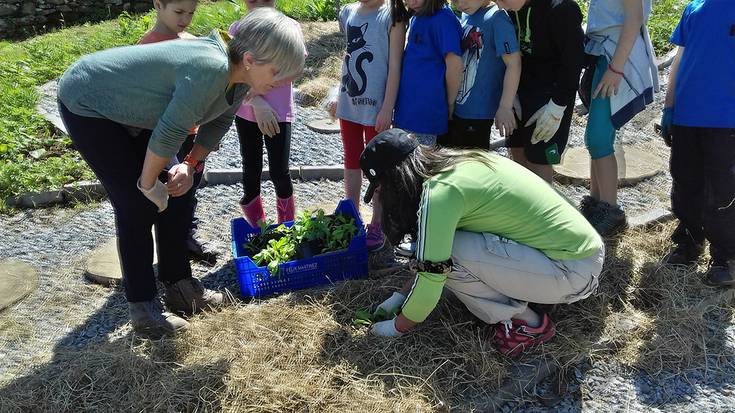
(385, 151)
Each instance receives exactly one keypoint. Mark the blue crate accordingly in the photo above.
(347, 264)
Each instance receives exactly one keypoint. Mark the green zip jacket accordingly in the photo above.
(167, 87)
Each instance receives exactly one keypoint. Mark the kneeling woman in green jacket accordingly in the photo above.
(489, 230)
(128, 111)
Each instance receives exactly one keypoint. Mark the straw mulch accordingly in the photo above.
(326, 46)
(301, 352)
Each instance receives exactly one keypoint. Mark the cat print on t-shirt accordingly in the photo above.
(354, 82)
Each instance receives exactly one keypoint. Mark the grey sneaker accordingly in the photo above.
(587, 206)
(189, 296)
(608, 220)
(150, 321)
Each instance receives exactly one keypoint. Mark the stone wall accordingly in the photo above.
(20, 18)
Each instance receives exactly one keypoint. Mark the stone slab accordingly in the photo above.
(327, 125)
(634, 165)
(334, 172)
(103, 264)
(48, 107)
(36, 199)
(18, 280)
(654, 216)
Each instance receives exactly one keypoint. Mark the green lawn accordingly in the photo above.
(33, 157)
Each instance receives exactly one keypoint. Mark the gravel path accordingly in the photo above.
(69, 311)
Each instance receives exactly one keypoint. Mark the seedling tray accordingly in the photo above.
(347, 264)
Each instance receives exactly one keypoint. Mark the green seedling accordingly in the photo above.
(363, 317)
(278, 245)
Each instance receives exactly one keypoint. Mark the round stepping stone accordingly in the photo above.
(103, 264)
(635, 164)
(327, 125)
(18, 280)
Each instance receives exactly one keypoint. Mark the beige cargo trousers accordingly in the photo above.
(496, 278)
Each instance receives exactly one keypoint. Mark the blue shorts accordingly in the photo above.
(599, 136)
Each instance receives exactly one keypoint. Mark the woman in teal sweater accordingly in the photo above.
(129, 109)
(489, 230)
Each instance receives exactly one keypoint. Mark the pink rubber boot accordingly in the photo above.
(286, 209)
(253, 211)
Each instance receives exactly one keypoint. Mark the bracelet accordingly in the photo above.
(612, 69)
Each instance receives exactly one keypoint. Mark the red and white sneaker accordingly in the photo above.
(515, 336)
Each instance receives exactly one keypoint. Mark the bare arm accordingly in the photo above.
(452, 78)
(610, 82)
(633, 12)
(511, 79)
(671, 88)
(152, 166)
(505, 120)
(395, 58)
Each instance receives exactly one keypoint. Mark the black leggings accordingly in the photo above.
(117, 159)
(251, 149)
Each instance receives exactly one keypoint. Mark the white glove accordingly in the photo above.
(547, 121)
(393, 303)
(265, 116)
(385, 328)
(158, 194)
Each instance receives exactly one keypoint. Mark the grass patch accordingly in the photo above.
(34, 158)
(300, 352)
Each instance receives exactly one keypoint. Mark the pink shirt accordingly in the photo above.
(280, 98)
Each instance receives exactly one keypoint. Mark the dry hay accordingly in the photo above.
(300, 352)
(325, 45)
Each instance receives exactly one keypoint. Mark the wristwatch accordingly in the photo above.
(198, 166)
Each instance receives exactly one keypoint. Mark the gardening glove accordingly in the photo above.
(547, 121)
(265, 116)
(667, 119)
(158, 194)
(385, 328)
(392, 304)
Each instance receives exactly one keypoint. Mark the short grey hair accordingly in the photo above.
(270, 37)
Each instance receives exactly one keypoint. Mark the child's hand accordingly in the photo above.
(505, 121)
(265, 116)
(384, 119)
(608, 86)
(180, 179)
(332, 109)
(451, 110)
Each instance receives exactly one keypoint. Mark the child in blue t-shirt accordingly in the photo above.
(432, 68)
(492, 70)
(698, 123)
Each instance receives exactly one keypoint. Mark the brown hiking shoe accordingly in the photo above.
(150, 321)
(189, 296)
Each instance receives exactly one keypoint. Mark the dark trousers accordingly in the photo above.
(117, 160)
(703, 189)
(185, 149)
(467, 133)
(251, 149)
